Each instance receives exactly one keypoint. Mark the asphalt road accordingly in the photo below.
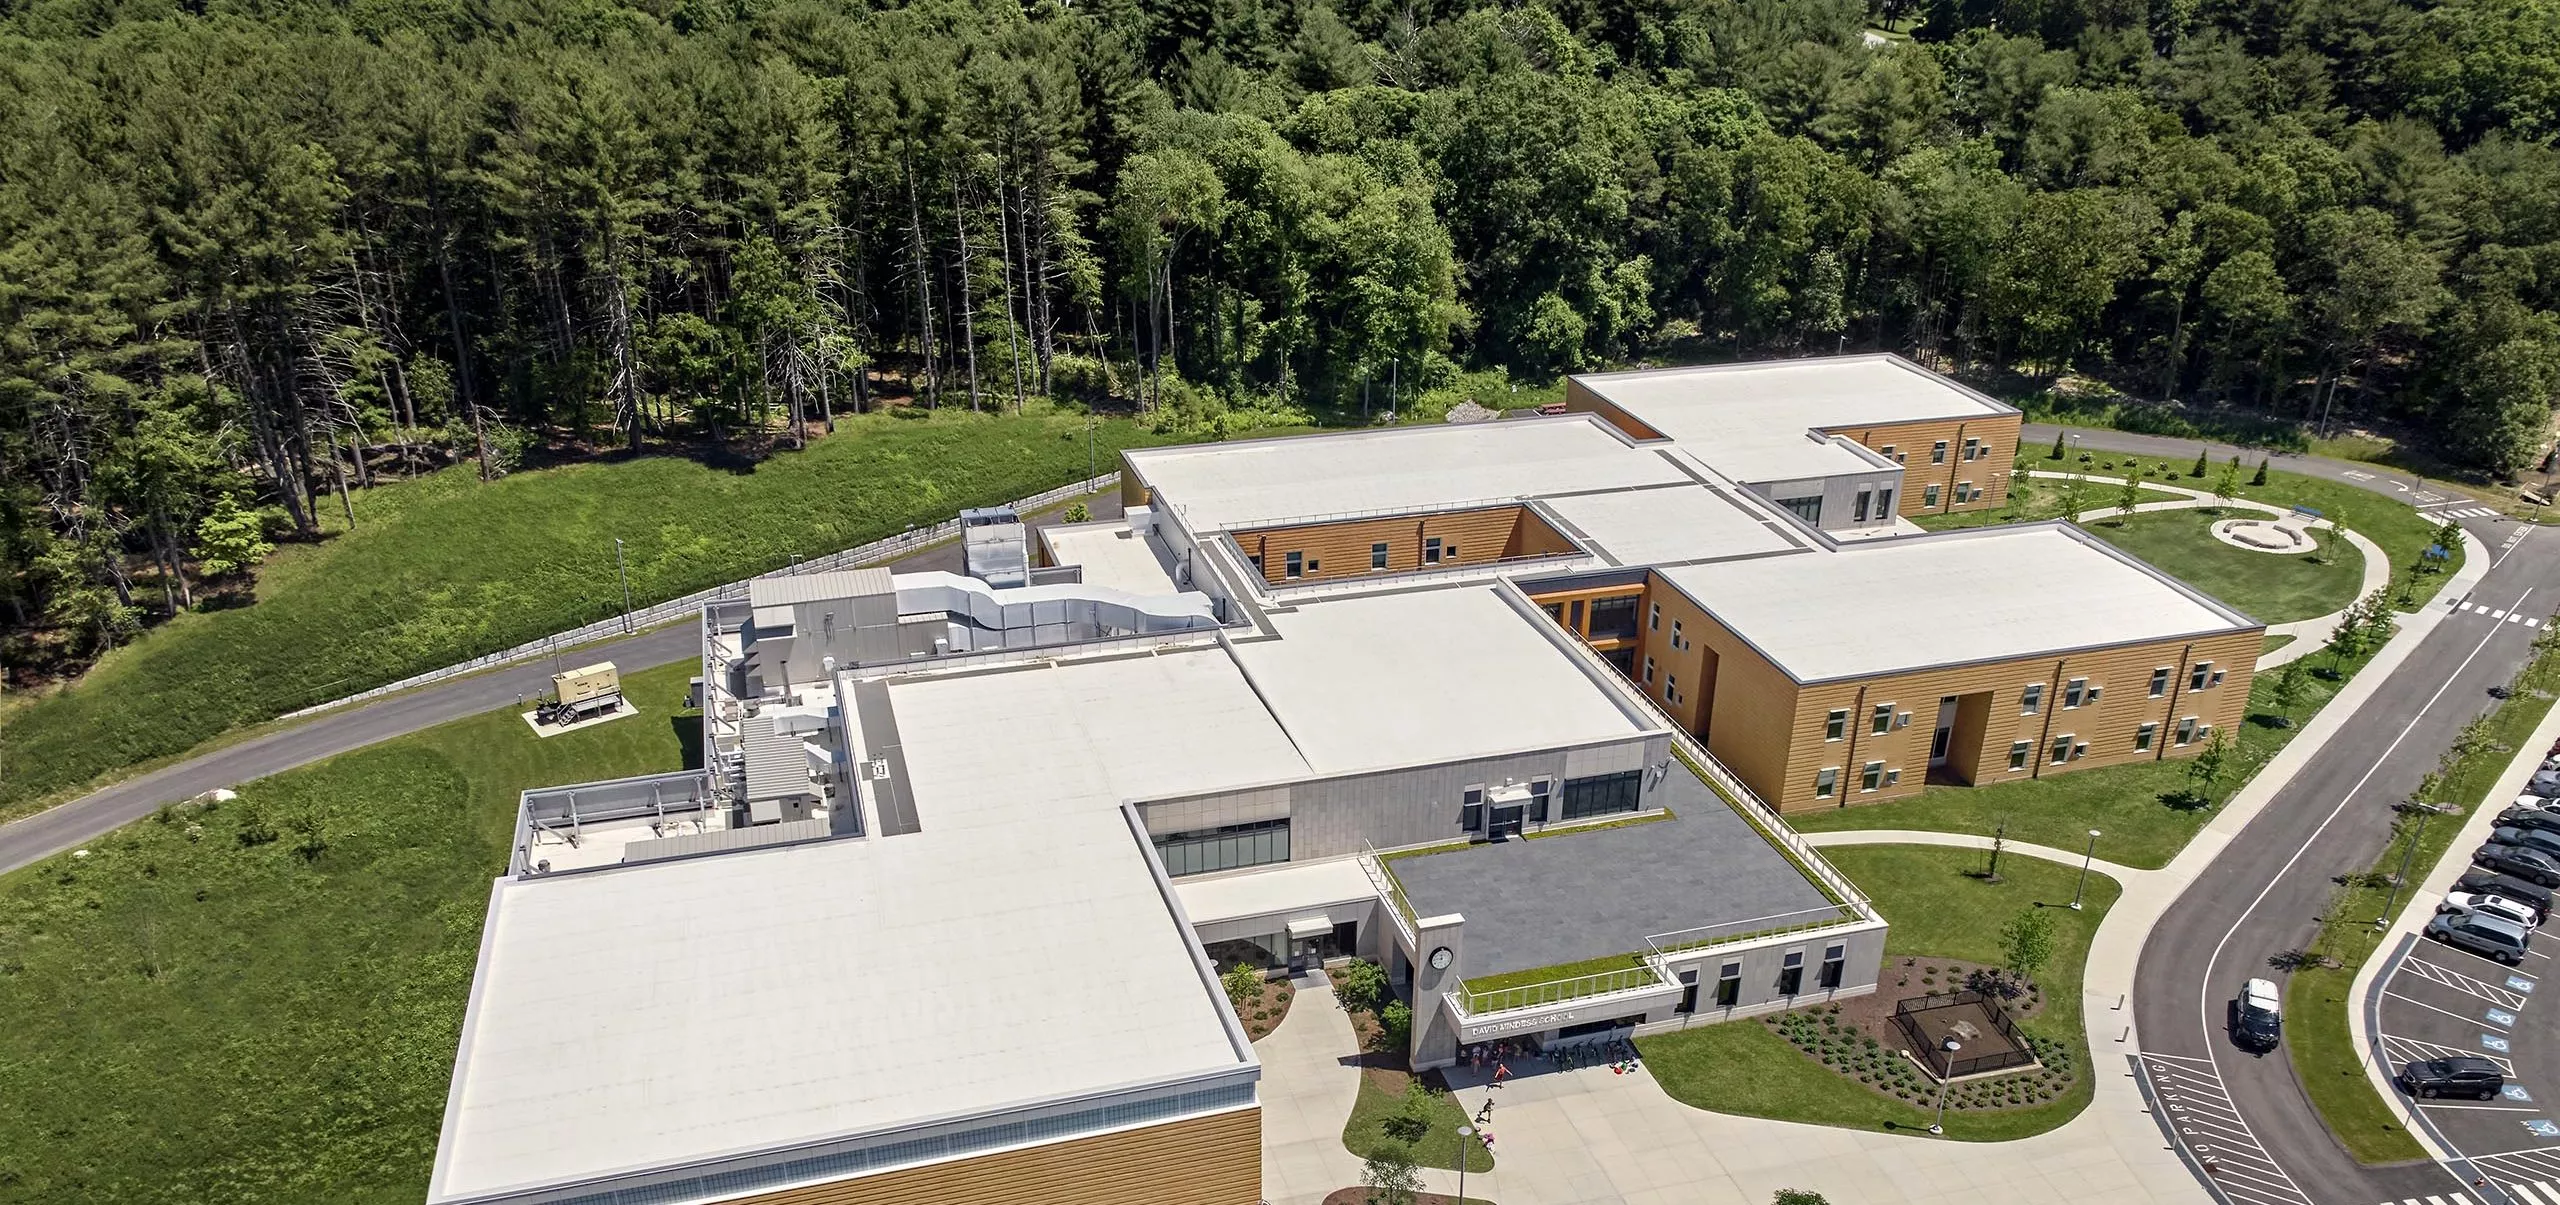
(2263, 895)
(2183, 451)
(331, 733)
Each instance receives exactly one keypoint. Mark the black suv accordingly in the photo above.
(2542, 819)
(2531, 838)
(2461, 1075)
(2531, 865)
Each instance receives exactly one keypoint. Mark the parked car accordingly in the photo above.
(2545, 782)
(2258, 1016)
(2467, 903)
(2461, 1075)
(2534, 818)
(2531, 838)
(2531, 865)
(2512, 888)
(2530, 803)
(2488, 936)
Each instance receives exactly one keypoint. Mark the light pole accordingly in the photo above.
(1464, 1132)
(1952, 1046)
(625, 575)
(2085, 859)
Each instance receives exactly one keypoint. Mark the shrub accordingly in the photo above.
(1243, 983)
(1361, 985)
(1396, 1025)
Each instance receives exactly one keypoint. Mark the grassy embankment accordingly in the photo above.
(444, 568)
(201, 1014)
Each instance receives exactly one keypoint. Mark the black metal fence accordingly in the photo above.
(1906, 1017)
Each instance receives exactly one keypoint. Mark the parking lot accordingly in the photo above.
(2440, 1002)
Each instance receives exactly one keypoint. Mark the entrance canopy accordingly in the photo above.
(1308, 928)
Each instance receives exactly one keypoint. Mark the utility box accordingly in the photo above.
(585, 683)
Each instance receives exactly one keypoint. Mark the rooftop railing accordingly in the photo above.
(1390, 894)
(1703, 938)
(1473, 1003)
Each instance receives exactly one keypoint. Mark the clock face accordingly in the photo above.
(1440, 959)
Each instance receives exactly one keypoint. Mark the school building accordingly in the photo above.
(941, 915)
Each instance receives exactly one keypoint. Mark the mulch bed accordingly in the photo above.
(1858, 1039)
(1261, 1016)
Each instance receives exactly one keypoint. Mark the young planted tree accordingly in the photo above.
(2026, 942)
(1390, 1176)
(2286, 692)
(2227, 486)
(2128, 496)
(2206, 768)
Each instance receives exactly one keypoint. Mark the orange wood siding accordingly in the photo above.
(1732, 697)
(1913, 443)
(1339, 550)
(1132, 491)
(1579, 400)
(1213, 1160)
(2108, 727)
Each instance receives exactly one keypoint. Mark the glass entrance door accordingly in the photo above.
(1506, 821)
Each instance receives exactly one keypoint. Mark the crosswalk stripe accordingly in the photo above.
(2517, 618)
(2531, 622)
(2466, 606)
(2497, 615)
(2542, 1186)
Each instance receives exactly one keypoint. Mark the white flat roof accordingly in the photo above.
(1228, 487)
(1749, 420)
(1431, 676)
(1015, 950)
(2000, 592)
(1111, 555)
(1674, 523)
(1290, 887)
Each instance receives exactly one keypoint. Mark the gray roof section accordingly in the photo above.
(1574, 896)
(877, 723)
(817, 587)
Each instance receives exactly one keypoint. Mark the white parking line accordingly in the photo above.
(2465, 984)
(2203, 1120)
(2411, 1050)
(2433, 1009)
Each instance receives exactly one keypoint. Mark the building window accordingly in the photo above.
(1826, 782)
(2061, 749)
(1872, 778)
(2018, 751)
(1929, 497)
(2159, 681)
(1858, 513)
(1471, 809)
(2187, 731)
(1603, 794)
(1965, 491)
(1257, 562)
(1256, 844)
(1835, 963)
(1555, 611)
(2202, 676)
(1836, 725)
(2031, 700)
(1938, 452)
(1648, 669)
(1451, 552)
(1791, 973)
(1377, 556)
(2142, 737)
(1807, 509)
(1295, 564)
(1613, 618)
(2072, 692)
(1729, 985)
(1884, 505)
(1539, 792)
(1889, 453)
(1575, 622)
(1653, 618)
(1973, 449)
(1883, 722)
(1671, 687)
(1678, 639)
(1431, 551)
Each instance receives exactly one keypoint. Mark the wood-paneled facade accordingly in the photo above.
(1955, 464)
(1400, 544)
(1778, 734)
(1210, 1160)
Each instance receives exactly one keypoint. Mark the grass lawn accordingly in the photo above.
(2267, 587)
(2033, 498)
(1438, 1146)
(2317, 998)
(445, 568)
(1937, 909)
(201, 1019)
(2401, 532)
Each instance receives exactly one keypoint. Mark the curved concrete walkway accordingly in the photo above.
(2309, 635)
